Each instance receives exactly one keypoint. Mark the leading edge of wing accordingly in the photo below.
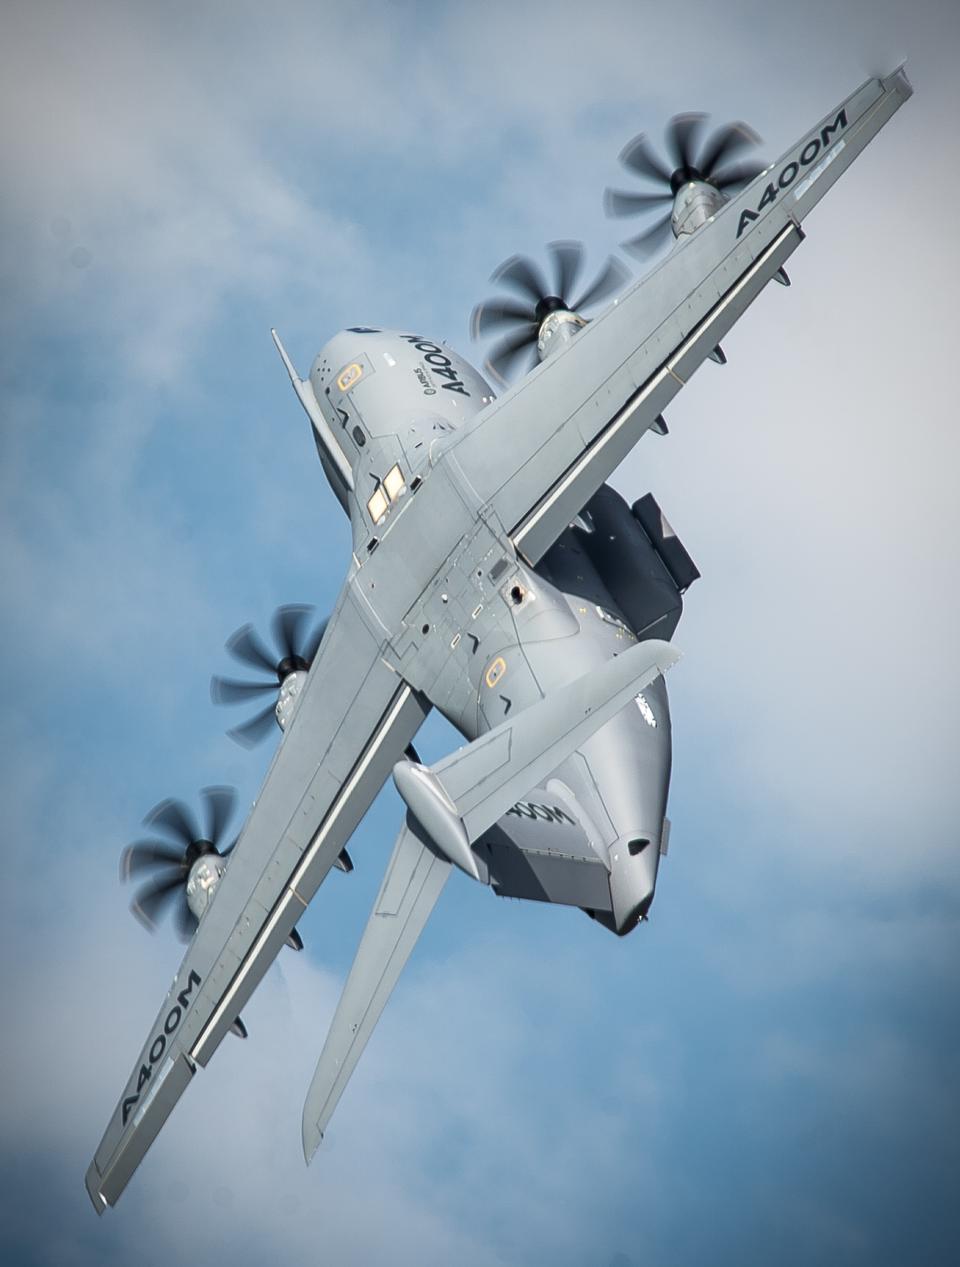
(354, 720)
(540, 451)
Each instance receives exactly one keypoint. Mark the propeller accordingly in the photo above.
(521, 318)
(296, 650)
(688, 157)
(168, 863)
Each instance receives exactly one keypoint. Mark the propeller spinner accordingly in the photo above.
(688, 159)
(186, 870)
(296, 650)
(523, 318)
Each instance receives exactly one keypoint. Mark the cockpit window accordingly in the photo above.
(394, 483)
(378, 505)
(390, 490)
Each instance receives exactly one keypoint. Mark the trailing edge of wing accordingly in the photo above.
(539, 452)
(354, 719)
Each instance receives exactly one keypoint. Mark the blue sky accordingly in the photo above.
(767, 1070)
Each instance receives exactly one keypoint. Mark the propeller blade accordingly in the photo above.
(246, 646)
(522, 273)
(287, 625)
(608, 281)
(617, 202)
(489, 317)
(225, 690)
(520, 325)
(651, 238)
(739, 174)
(184, 919)
(176, 817)
(681, 136)
(567, 262)
(504, 355)
(313, 643)
(639, 156)
(257, 728)
(144, 855)
(153, 899)
(220, 803)
(724, 144)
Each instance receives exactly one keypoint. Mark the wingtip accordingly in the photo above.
(898, 77)
(92, 1182)
(312, 1138)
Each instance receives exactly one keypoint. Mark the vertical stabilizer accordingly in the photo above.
(321, 427)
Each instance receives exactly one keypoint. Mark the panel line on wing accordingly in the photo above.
(627, 411)
(309, 854)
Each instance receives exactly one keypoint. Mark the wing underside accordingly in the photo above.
(538, 453)
(533, 458)
(354, 719)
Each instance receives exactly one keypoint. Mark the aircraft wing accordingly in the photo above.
(354, 719)
(539, 452)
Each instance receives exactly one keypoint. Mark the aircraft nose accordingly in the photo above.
(634, 861)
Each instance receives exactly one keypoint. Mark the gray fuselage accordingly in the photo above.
(392, 402)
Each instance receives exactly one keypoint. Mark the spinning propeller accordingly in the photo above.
(171, 864)
(687, 160)
(523, 319)
(296, 652)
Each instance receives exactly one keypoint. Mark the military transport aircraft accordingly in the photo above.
(496, 578)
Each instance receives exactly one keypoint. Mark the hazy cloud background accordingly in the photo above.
(767, 1071)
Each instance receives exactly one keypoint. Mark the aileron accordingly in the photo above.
(276, 868)
(540, 451)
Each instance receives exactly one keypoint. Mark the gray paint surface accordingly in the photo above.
(380, 666)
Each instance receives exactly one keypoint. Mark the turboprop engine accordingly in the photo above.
(549, 317)
(692, 185)
(286, 668)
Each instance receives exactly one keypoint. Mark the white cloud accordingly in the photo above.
(233, 161)
(440, 1081)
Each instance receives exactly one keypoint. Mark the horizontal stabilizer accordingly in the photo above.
(461, 796)
(413, 881)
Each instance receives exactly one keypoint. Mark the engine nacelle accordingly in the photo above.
(693, 206)
(289, 697)
(556, 330)
(205, 874)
